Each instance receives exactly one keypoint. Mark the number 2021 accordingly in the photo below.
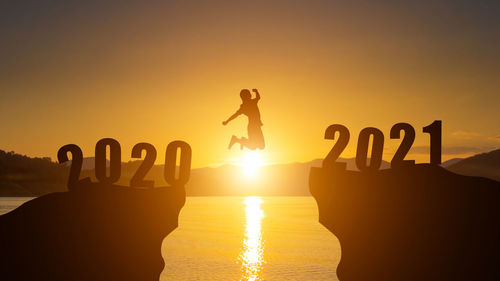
(433, 129)
(137, 179)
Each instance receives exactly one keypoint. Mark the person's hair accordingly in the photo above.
(245, 94)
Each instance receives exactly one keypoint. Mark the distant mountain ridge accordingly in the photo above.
(483, 165)
(450, 162)
(25, 176)
(279, 179)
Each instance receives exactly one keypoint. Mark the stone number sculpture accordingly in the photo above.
(433, 129)
(137, 179)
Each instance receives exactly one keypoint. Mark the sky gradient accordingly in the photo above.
(156, 71)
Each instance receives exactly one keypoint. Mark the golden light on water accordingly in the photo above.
(252, 255)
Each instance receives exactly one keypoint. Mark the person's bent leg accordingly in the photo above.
(243, 143)
(233, 140)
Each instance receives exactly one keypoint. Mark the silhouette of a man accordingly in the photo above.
(249, 108)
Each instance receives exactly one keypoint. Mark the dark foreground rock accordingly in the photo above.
(94, 232)
(416, 223)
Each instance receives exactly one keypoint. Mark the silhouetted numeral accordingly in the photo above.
(76, 162)
(404, 147)
(171, 162)
(435, 130)
(338, 147)
(377, 149)
(146, 165)
(115, 160)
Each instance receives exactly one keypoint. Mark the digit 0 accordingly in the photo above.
(377, 149)
(115, 161)
(171, 163)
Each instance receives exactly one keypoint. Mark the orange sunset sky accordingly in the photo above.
(156, 71)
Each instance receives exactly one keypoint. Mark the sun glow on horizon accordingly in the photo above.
(251, 163)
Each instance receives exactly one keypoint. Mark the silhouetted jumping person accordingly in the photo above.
(251, 110)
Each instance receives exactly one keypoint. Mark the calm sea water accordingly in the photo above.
(245, 238)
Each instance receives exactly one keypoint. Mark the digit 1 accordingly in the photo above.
(435, 130)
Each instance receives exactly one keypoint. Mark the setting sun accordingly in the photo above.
(251, 163)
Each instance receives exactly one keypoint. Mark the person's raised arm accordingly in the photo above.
(257, 95)
(231, 118)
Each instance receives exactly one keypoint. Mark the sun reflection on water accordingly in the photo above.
(252, 256)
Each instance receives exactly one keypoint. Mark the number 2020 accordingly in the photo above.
(433, 129)
(137, 179)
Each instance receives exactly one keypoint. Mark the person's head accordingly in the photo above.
(245, 95)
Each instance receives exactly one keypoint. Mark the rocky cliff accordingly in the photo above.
(93, 232)
(416, 223)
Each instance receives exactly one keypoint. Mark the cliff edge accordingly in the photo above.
(416, 223)
(93, 232)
